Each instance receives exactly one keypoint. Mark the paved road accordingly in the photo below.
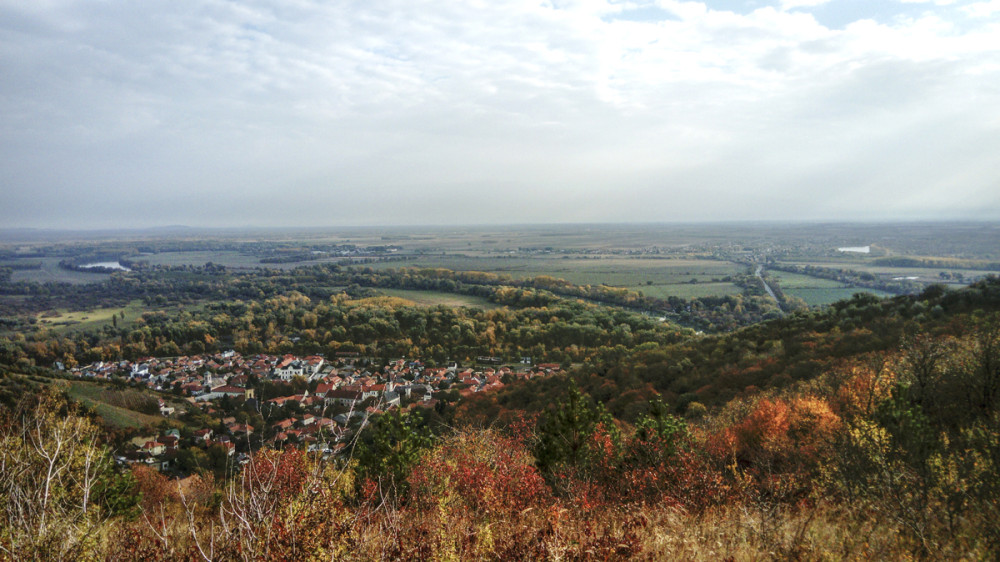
(760, 268)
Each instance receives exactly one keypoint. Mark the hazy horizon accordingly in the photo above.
(262, 114)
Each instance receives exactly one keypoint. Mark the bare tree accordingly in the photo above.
(50, 465)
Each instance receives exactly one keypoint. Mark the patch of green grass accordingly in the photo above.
(109, 404)
(688, 290)
(607, 270)
(62, 321)
(923, 274)
(816, 296)
(433, 298)
(227, 258)
(799, 281)
(51, 272)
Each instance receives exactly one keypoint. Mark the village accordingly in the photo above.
(242, 404)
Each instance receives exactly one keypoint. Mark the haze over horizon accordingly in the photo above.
(263, 113)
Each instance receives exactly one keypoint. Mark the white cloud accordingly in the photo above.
(983, 9)
(301, 112)
(790, 4)
(935, 2)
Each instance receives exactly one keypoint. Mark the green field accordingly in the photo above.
(816, 296)
(50, 272)
(688, 290)
(62, 321)
(816, 291)
(434, 298)
(115, 406)
(657, 277)
(922, 274)
(226, 258)
(788, 281)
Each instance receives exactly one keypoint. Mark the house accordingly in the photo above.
(154, 448)
(166, 410)
(312, 366)
(169, 441)
(289, 367)
(203, 435)
(344, 397)
(229, 390)
(324, 387)
(240, 429)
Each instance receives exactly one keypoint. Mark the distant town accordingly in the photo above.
(314, 402)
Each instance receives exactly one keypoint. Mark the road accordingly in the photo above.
(760, 269)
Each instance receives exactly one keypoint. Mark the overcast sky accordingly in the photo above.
(301, 113)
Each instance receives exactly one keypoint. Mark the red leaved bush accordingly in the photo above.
(281, 474)
(778, 446)
(154, 487)
(483, 472)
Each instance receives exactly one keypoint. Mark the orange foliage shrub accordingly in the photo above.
(154, 487)
(482, 472)
(864, 388)
(779, 443)
(280, 474)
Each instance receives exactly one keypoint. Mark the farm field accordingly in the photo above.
(816, 291)
(788, 281)
(226, 258)
(582, 237)
(635, 273)
(51, 272)
(922, 274)
(433, 298)
(687, 290)
(819, 296)
(62, 321)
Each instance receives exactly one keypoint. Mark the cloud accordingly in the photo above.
(312, 113)
(790, 4)
(983, 9)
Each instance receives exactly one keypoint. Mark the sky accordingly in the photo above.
(300, 113)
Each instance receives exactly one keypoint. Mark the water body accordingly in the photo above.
(856, 249)
(106, 264)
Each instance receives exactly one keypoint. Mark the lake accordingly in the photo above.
(106, 264)
(857, 249)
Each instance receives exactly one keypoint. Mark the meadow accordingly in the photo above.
(923, 275)
(63, 321)
(660, 277)
(222, 257)
(119, 408)
(434, 298)
(51, 272)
